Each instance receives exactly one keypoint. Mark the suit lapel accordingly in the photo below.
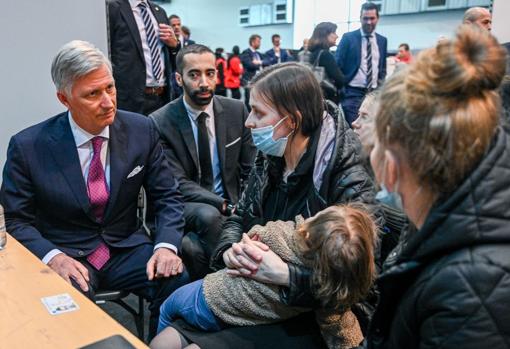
(118, 161)
(127, 13)
(160, 17)
(357, 51)
(62, 146)
(220, 130)
(186, 131)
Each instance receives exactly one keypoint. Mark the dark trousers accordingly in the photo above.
(220, 90)
(351, 102)
(203, 228)
(153, 102)
(247, 98)
(126, 270)
(236, 93)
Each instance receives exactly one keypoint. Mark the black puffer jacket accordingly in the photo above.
(344, 180)
(448, 284)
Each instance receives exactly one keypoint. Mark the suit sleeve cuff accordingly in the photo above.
(49, 256)
(166, 245)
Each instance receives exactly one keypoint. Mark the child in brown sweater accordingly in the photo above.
(337, 244)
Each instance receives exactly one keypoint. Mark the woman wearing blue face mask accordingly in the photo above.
(308, 159)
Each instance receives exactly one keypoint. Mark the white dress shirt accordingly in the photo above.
(85, 151)
(213, 149)
(150, 80)
(360, 79)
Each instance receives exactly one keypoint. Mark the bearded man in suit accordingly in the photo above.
(209, 149)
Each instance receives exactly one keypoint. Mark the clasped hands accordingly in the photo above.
(253, 259)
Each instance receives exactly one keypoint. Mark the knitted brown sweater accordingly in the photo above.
(241, 301)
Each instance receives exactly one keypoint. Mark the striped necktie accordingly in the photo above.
(369, 62)
(152, 41)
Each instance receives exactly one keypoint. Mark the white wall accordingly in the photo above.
(215, 23)
(419, 30)
(500, 26)
(31, 32)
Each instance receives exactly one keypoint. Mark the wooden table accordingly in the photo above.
(24, 320)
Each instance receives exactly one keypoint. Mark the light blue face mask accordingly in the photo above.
(392, 199)
(263, 140)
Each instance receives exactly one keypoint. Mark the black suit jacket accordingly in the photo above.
(235, 148)
(45, 196)
(129, 70)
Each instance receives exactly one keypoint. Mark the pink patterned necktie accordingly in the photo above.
(98, 197)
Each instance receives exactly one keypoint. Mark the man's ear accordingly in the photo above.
(178, 78)
(63, 98)
(391, 171)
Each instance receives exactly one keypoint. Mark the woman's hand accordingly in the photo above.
(259, 263)
(246, 262)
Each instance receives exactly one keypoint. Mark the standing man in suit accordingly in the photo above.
(182, 41)
(141, 46)
(253, 61)
(209, 149)
(71, 183)
(361, 55)
(278, 54)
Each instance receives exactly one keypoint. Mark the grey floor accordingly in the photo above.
(125, 318)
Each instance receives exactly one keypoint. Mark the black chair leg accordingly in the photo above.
(139, 319)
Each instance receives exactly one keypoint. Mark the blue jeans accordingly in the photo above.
(188, 303)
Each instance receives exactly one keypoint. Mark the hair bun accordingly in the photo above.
(468, 65)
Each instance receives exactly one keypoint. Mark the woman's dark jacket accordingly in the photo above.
(327, 60)
(344, 180)
(448, 284)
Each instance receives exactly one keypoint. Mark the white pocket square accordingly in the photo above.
(135, 171)
(233, 142)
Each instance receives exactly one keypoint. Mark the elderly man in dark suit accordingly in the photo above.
(71, 183)
(209, 149)
(361, 56)
(141, 46)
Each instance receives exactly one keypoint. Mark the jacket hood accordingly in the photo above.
(477, 212)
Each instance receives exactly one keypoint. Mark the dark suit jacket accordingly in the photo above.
(348, 55)
(129, 70)
(235, 148)
(45, 196)
(284, 55)
(251, 69)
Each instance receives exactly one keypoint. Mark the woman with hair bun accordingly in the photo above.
(440, 148)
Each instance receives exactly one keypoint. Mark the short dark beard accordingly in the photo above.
(193, 95)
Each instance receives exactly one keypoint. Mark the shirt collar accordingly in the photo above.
(134, 3)
(365, 34)
(81, 136)
(194, 113)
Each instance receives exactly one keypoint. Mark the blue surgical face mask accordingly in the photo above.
(393, 199)
(263, 140)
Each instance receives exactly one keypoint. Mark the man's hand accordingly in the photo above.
(167, 35)
(69, 268)
(164, 263)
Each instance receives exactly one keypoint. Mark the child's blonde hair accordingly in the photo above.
(340, 240)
